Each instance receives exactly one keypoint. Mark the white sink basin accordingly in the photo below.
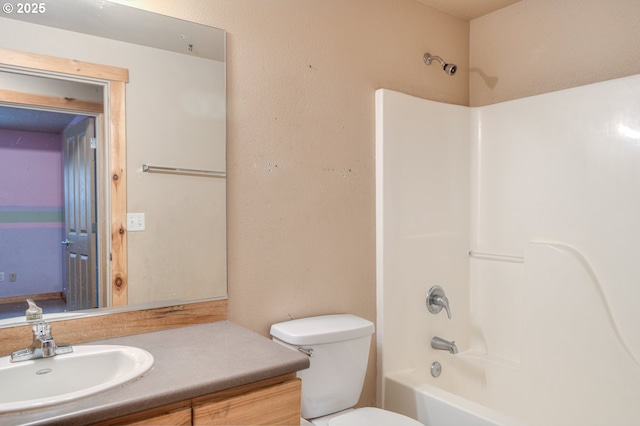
(63, 378)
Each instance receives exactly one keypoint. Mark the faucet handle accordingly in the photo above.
(444, 302)
(41, 329)
(436, 300)
(63, 348)
(21, 355)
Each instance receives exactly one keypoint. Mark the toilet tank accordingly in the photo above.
(340, 345)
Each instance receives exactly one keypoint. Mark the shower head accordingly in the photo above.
(450, 69)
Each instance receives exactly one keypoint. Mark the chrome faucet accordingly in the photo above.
(444, 345)
(43, 345)
(436, 300)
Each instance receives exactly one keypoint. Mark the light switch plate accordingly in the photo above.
(135, 222)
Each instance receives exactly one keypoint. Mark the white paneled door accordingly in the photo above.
(80, 216)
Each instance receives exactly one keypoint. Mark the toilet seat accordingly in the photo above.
(370, 416)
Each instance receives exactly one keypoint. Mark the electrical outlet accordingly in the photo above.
(13, 278)
(135, 222)
(1, 276)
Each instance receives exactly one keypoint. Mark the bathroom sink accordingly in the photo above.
(87, 370)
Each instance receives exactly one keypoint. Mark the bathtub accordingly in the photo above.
(410, 393)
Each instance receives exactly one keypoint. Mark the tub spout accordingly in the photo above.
(444, 345)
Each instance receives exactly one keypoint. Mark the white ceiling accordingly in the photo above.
(468, 9)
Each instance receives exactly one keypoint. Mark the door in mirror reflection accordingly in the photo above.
(47, 211)
(80, 216)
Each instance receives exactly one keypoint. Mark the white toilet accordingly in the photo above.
(338, 348)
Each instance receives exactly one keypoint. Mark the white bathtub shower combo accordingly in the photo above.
(525, 213)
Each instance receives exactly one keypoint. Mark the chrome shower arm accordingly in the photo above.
(428, 58)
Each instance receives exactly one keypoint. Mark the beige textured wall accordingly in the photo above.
(538, 46)
(301, 176)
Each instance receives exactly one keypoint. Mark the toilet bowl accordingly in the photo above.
(338, 350)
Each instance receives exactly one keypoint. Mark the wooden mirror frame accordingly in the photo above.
(114, 80)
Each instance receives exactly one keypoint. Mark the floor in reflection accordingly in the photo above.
(49, 306)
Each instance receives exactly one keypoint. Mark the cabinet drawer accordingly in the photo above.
(165, 416)
(277, 404)
(177, 418)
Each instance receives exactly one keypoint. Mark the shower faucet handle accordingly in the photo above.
(436, 300)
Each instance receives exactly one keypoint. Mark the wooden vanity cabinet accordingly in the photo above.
(273, 401)
(277, 404)
(180, 417)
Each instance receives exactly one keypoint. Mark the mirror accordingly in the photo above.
(175, 119)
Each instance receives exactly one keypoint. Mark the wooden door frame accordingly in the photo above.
(114, 80)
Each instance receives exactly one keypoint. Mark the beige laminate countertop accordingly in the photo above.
(189, 362)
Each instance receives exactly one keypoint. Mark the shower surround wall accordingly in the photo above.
(545, 308)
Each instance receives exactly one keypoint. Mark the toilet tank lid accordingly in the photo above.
(322, 329)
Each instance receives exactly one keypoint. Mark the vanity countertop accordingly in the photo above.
(189, 362)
